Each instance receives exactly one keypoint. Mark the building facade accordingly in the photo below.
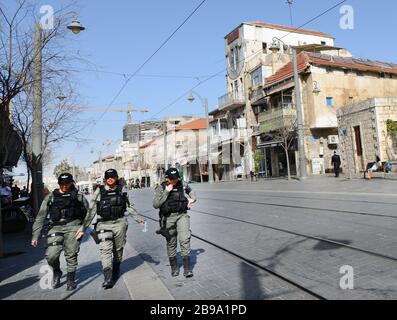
(249, 62)
(367, 129)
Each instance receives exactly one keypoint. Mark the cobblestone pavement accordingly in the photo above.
(265, 222)
(358, 213)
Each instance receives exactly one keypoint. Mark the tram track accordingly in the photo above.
(302, 207)
(252, 264)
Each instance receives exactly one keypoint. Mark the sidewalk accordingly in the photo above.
(20, 274)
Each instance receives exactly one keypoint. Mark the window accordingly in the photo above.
(264, 47)
(346, 71)
(236, 89)
(330, 101)
(256, 76)
(323, 43)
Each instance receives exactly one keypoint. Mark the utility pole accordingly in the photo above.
(290, 2)
(299, 113)
(37, 176)
(165, 147)
(1, 220)
(207, 122)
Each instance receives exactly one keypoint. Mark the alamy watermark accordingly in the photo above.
(346, 22)
(347, 280)
(47, 18)
(46, 278)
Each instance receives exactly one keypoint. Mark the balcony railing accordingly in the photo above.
(231, 101)
(275, 119)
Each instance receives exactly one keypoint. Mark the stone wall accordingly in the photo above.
(371, 117)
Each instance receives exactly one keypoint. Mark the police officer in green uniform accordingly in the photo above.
(66, 208)
(110, 204)
(170, 198)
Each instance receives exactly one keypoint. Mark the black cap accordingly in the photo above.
(111, 173)
(172, 173)
(65, 178)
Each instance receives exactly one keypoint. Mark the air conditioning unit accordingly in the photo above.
(333, 139)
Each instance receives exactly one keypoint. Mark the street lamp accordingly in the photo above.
(37, 122)
(316, 89)
(275, 47)
(75, 26)
(61, 97)
(204, 102)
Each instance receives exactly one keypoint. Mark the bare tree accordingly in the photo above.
(286, 136)
(18, 54)
(60, 122)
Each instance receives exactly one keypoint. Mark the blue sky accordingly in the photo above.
(121, 34)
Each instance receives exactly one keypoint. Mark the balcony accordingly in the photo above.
(230, 101)
(222, 136)
(257, 96)
(275, 119)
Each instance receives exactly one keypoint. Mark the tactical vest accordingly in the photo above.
(113, 203)
(176, 201)
(66, 207)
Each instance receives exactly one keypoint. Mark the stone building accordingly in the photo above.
(327, 83)
(249, 62)
(365, 130)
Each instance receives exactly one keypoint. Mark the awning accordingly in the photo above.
(270, 144)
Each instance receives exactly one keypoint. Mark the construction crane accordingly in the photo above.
(129, 111)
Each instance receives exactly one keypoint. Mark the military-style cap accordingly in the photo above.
(111, 173)
(172, 173)
(65, 178)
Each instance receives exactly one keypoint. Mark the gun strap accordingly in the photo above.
(109, 238)
(50, 243)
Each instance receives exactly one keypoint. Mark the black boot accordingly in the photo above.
(116, 271)
(186, 267)
(108, 283)
(174, 267)
(71, 284)
(57, 274)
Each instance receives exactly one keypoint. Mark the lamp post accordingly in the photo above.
(275, 47)
(204, 102)
(37, 121)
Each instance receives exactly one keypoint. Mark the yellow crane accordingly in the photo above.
(129, 111)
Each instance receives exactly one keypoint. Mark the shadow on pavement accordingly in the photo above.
(322, 245)
(14, 264)
(193, 257)
(148, 258)
(9, 289)
(250, 282)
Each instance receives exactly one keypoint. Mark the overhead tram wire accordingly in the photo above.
(148, 59)
(125, 75)
(245, 58)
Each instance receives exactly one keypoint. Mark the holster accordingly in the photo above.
(94, 235)
(163, 228)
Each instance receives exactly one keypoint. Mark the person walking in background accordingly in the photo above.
(336, 162)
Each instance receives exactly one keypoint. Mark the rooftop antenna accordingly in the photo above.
(290, 2)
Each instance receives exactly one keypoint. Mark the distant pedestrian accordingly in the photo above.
(15, 192)
(24, 192)
(336, 162)
(375, 166)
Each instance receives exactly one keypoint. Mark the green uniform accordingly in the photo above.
(114, 232)
(178, 223)
(60, 236)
